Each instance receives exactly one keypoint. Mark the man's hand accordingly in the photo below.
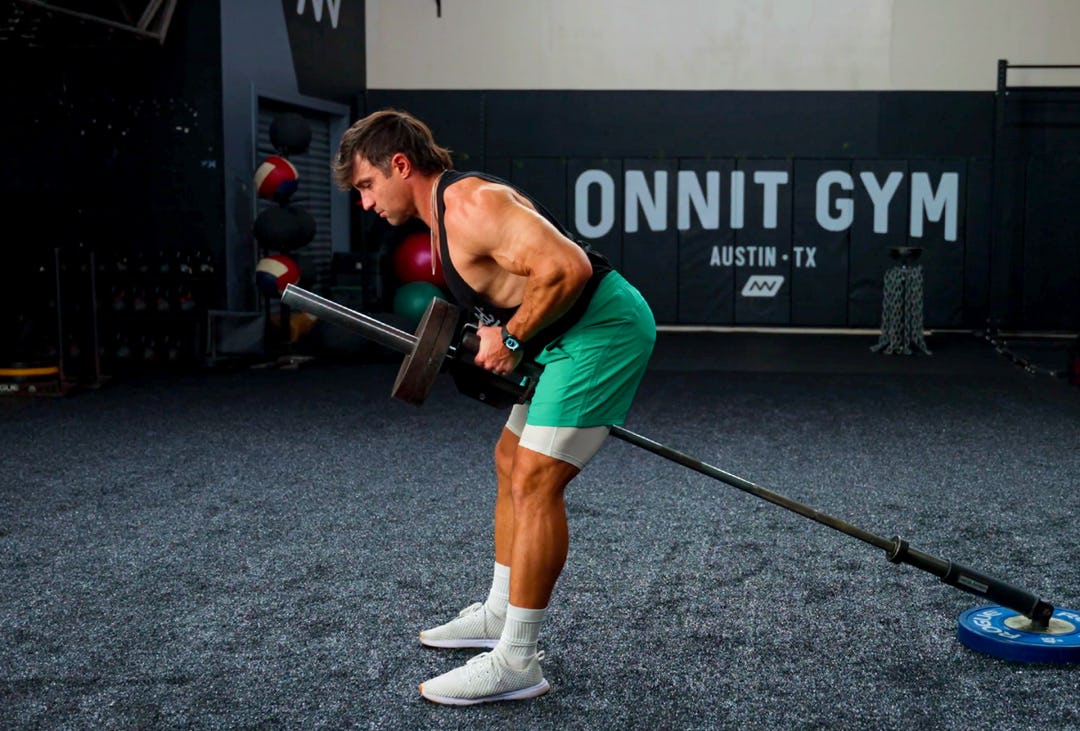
(493, 355)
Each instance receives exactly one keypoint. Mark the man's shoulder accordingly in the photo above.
(478, 191)
(479, 175)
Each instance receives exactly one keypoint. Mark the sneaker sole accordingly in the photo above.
(454, 644)
(532, 691)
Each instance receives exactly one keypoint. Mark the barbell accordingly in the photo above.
(1024, 627)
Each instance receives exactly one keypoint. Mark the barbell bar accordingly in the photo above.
(429, 349)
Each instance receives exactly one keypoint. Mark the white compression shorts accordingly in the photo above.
(573, 444)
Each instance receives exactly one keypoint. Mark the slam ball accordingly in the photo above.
(284, 228)
(272, 273)
(290, 133)
(306, 224)
(411, 300)
(276, 179)
(412, 261)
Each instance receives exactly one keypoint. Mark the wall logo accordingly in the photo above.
(762, 285)
(334, 6)
(930, 199)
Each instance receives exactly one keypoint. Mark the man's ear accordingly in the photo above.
(401, 164)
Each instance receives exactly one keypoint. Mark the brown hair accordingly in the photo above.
(379, 136)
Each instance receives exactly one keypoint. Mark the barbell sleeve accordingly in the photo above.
(325, 309)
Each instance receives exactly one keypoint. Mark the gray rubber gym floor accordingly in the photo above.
(258, 548)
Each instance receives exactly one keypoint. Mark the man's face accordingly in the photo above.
(387, 195)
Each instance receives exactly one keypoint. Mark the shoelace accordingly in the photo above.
(470, 609)
(487, 660)
(477, 607)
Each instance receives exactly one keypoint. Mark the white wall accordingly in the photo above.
(877, 45)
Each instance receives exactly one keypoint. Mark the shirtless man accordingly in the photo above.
(537, 294)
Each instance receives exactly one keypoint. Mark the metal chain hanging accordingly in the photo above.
(997, 340)
(902, 312)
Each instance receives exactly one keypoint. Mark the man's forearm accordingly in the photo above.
(544, 302)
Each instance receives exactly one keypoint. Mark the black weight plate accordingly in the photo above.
(420, 367)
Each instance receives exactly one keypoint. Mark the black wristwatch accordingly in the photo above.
(509, 340)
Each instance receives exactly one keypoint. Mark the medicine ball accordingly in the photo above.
(276, 179)
(412, 261)
(284, 228)
(272, 273)
(290, 134)
(411, 300)
(306, 223)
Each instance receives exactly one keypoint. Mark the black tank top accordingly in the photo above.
(485, 311)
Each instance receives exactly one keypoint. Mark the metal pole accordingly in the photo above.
(377, 330)
(59, 317)
(746, 486)
(897, 549)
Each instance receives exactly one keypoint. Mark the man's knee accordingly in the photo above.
(505, 449)
(538, 478)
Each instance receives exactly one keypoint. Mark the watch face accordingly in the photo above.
(510, 341)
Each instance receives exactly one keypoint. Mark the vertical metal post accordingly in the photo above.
(999, 261)
(59, 317)
(96, 341)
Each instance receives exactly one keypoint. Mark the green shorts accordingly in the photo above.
(593, 370)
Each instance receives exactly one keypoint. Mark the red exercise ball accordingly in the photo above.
(412, 261)
(272, 273)
(276, 179)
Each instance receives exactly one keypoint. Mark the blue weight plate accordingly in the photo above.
(1007, 634)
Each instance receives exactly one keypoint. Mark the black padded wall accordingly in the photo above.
(792, 201)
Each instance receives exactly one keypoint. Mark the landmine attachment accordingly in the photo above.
(1020, 627)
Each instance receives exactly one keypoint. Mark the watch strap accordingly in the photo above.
(509, 340)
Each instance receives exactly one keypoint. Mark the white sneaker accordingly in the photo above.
(475, 626)
(484, 679)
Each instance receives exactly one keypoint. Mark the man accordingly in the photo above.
(537, 294)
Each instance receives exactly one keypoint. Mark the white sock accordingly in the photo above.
(499, 594)
(518, 641)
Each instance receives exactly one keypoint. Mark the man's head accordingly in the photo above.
(379, 136)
